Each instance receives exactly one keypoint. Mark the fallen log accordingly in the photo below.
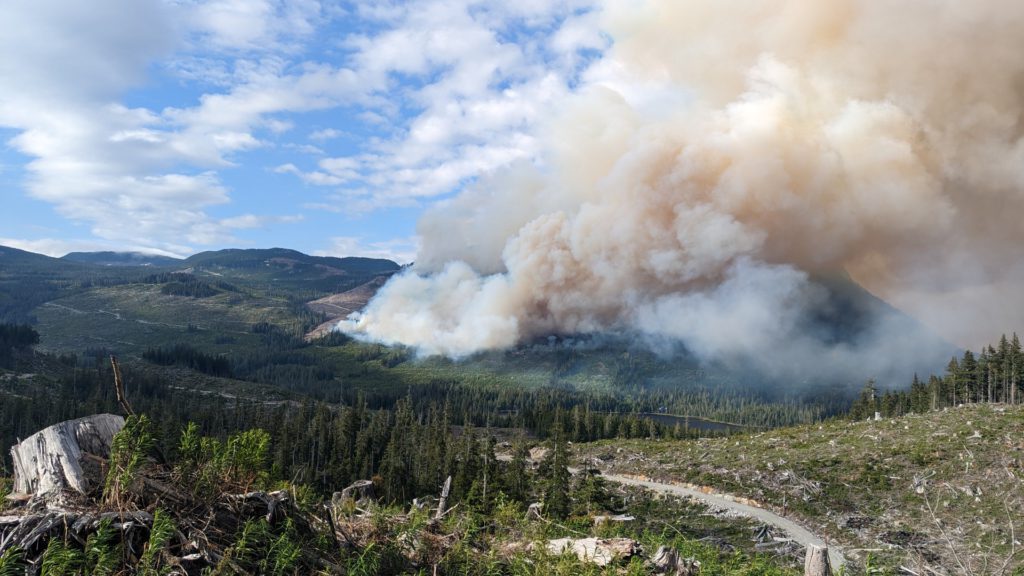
(598, 551)
(66, 456)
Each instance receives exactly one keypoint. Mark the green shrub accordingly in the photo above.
(5, 488)
(102, 555)
(206, 466)
(159, 537)
(60, 559)
(12, 562)
(128, 451)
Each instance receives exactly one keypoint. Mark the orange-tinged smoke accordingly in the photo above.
(721, 156)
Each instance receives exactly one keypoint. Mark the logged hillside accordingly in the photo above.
(108, 258)
(942, 490)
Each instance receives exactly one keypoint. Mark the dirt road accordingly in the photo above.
(795, 531)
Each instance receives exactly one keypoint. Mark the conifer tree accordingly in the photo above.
(969, 376)
(952, 379)
(516, 478)
(556, 493)
(1016, 367)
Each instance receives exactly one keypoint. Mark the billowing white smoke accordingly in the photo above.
(724, 153)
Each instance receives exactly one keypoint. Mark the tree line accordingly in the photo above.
(994, 374)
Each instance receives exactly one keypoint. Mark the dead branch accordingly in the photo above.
(122, 399)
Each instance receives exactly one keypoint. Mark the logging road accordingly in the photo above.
(798, 533)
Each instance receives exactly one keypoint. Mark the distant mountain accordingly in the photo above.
(287, 259)
(121, 259)
(282, 269)
(28, 280)
(13, 256)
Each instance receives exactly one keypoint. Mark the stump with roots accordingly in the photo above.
(69, 456)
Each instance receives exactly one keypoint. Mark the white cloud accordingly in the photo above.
(326, 134)
(481, 77)
(401, 250)
(58, 247)
(250, 221)
(453, 90)
(316, 177)
(248, 25)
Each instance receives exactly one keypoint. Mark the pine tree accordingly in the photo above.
(556, 493)
(1016, 367)
(953, 379)
(969, 375)
(516, 478)
(867, 403)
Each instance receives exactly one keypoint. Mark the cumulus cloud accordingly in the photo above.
(477, 78)
(137, 176)
(449, 90)
(723, 161)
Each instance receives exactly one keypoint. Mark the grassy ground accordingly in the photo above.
(504, 542)
(942, 490)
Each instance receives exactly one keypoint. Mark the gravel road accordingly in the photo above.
(795, 531)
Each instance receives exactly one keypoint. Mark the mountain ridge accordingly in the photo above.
(111, 258)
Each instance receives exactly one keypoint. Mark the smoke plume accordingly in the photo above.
(724, 156)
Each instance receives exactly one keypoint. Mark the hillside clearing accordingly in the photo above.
(941, 490)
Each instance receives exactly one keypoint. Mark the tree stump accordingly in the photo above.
(816, 563)
(66, 456)
(533, 511)
(359, 491)
(668, 561)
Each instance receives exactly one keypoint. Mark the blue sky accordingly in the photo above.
(177, 126)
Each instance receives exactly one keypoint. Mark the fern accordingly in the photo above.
(12, 562)
(61, 559)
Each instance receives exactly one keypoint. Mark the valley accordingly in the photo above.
(240, 340)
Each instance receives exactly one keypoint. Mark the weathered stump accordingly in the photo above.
(533, 512)
(816, 563)
(668, 561)
(358, 491)
(66, 456)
